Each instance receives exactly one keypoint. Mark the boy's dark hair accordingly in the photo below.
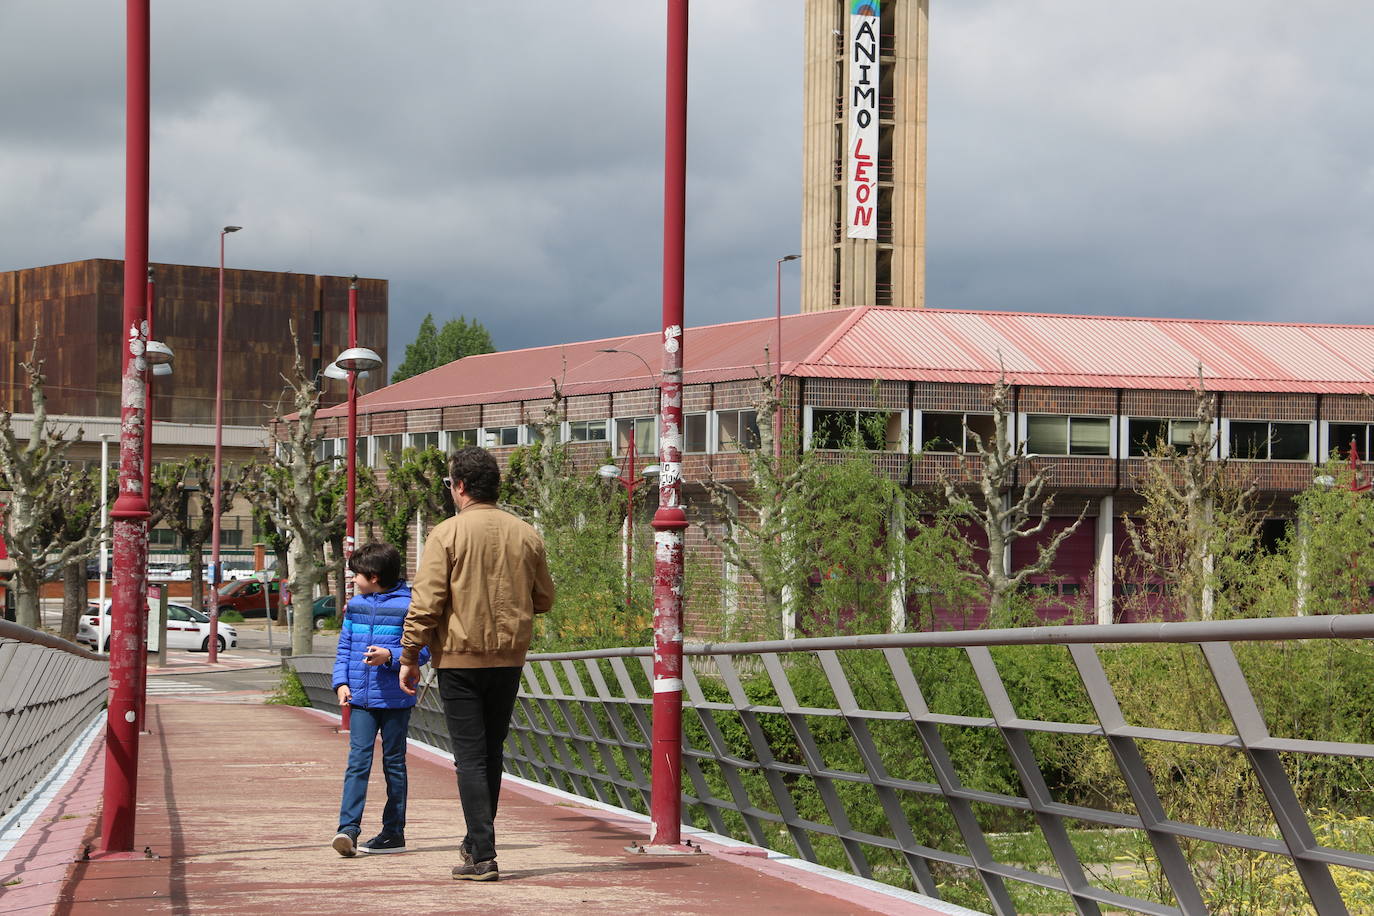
(380, 560)
(478, 471)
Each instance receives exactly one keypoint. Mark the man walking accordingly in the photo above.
(482, 578)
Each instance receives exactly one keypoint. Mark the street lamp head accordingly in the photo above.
(358, 359)
(333, 371)
(231, 228)
(1324, 480)
(157, 352)
(608, 471)
(161, 369)
(790, 257)
(651, 471)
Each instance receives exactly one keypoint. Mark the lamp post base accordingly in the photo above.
(685, 848)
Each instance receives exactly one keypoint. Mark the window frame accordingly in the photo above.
(714, 442)
(904, 418)
(1331, 445)
(919, 441)
(636, 419)
(1124, 444)
(1269, 441)
(567, 431)
(374, 448)
(412, 437)
(484, 433)
(1023, 427)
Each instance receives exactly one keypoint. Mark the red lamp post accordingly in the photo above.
(777, 355)
(669, 521)
(130, 512)
(213, 641)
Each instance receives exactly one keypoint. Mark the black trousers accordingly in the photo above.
(478, 703)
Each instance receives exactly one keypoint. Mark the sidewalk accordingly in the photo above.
(239, 803)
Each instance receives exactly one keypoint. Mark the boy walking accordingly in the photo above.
(366, 677)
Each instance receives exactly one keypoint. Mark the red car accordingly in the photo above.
(246, 597)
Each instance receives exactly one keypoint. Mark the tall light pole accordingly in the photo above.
(160, 363)
(213, 642)
(777, 356)
(130, 512)
(665, 807)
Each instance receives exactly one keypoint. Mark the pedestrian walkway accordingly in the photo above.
(182, 662)
(237, 808)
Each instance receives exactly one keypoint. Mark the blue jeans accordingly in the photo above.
(362, 733)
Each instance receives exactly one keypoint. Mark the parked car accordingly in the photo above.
(246, 597)
(187, 628)
(86, 635)
(321, 611)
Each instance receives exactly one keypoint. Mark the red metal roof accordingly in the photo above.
(1097, 352)
(714, 353)
(944, 345)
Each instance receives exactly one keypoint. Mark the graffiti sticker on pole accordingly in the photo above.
(861, 158)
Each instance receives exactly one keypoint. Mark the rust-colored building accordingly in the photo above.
(78, 309)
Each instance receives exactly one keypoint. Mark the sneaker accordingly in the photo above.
(346, 842)
(382, 843)
(477, 871)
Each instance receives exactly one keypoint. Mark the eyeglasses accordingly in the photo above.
(448, 482)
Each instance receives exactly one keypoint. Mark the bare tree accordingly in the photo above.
(172, 488)
(292, 484)
(39, 479)
(753, 533)
(1198, 520)
(1004, 510)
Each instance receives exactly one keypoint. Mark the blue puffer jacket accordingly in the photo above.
(374, 620)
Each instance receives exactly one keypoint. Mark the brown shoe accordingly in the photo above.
(477, 871)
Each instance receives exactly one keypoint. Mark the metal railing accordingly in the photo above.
(790, 768)
(49, 691)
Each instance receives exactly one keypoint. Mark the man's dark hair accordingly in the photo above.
(478, 471)
(380, 560)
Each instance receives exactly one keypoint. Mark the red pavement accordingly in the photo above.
(238, 803)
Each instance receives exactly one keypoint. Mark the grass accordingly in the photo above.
(289, 690)
(231, 617)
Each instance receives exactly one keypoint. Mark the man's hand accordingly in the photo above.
(376, 655)
(344, 694)
(410, 676)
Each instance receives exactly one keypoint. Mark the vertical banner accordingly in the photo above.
(861, 157)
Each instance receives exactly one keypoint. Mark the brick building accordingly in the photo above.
(1088, 394)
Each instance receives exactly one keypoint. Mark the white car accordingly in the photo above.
(187, 628)
(86, 635)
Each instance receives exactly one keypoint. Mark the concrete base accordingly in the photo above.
(685, 848)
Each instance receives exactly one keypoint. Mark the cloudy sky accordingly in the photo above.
(503, 162)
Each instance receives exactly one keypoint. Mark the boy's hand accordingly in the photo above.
(376, 655)
(410, 676)
(344, 694)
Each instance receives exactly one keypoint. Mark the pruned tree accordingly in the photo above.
(39, 479)
(173, 486)
(1005, 510)
(293, 486)
(73, 519)
(751, 526)
(1198, 528)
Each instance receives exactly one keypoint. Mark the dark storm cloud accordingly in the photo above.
(1086, 157)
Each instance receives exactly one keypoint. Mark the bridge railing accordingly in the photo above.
(790, 769)
(50, 689)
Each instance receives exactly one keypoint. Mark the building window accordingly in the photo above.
(587, 431)
(873, 430)
(164, 537)
(737, 430)
(1339, 436)
(1258, 440)
(694, 433)
(460, 438)
(956, 432)
(231, 537)
(327, 448)
(1147, 435)
(424, 440)
(384, 445)
(317, 333)
(534, 432)
(645, 433)
(500, 436)
(1048, 434)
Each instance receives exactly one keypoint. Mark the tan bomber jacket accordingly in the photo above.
(482, 578)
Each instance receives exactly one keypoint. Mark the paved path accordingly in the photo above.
(238, 804)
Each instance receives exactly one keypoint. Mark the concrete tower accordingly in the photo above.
(864, 154)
